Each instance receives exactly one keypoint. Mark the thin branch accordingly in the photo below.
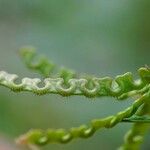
(137, 119)
(40, 137)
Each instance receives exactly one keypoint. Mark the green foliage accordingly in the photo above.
(135, 136)
(66, 82)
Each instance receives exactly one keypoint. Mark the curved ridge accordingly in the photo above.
(120, 87)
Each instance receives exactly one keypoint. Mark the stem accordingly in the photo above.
(135, 136)
(137, 119)
(40, 137)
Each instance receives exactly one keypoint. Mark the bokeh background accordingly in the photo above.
(96, 37)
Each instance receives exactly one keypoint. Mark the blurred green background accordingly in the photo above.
(97, 37)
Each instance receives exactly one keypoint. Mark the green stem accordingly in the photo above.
(95, 87)
(137, 119)
(135, 136)
(40, 137)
